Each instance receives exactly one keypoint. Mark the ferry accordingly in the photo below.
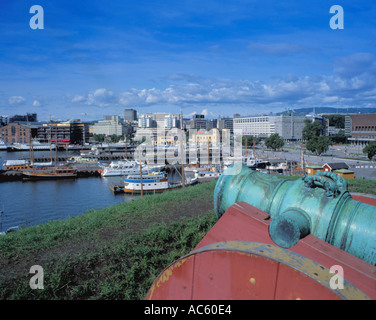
(126, 167)
(121, 168)
(150, 183)
(153, 183)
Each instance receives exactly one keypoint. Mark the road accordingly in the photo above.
(293, 152)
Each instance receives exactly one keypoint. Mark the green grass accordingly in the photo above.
(354, 185)
(113, 253)
(362, 186)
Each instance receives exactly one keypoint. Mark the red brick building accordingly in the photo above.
(362, 128)
(14, 132)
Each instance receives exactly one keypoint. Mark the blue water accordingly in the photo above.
(28, 203)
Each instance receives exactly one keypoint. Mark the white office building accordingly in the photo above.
(288, 127)
(111, 125)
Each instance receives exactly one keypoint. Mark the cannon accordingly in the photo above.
(278, 239)
(318, 204)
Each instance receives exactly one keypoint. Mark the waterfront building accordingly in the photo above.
(361, 128)
(64, 133)
(204, 137)
(111, 125)
(15, 133)
(288, 127)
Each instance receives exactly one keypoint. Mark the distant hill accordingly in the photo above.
(305, 111)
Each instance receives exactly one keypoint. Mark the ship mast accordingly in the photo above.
(50, 140)
(31, 143)
(142, 186)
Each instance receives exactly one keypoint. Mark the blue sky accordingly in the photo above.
(215, 57)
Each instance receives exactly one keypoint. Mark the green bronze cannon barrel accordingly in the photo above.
(319, 204)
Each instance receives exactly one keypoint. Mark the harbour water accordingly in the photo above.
(28, 203)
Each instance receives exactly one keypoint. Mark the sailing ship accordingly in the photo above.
(42, 173)
(48, 172)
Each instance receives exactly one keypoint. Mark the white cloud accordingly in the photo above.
(14, 100)
(36, 103)
(338, 89)
(100, 97)
(78, 98)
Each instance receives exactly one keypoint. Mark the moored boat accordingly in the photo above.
(126, 167)
(3, 146)
(202, 175)
(43, 173)
(152, 183)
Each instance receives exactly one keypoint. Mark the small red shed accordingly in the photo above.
(330, 167)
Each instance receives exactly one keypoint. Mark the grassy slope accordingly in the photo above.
(113, 253)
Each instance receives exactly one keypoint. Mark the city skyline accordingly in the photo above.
(212, 57)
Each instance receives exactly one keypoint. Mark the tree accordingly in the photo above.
(312, 129)
(319, 144)
(99, 137)
(370, 150)
(339, 137)
(336, 120)
(248, 141)
(274, 142)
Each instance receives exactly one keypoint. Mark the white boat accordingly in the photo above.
(255, 163)
(122, 168)
(152, 183)
(15, 165)
(202, 175)
(250, 161)
(126, 167)
(37, 146)
(277, 166)
(82, 160)
(3, 145)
